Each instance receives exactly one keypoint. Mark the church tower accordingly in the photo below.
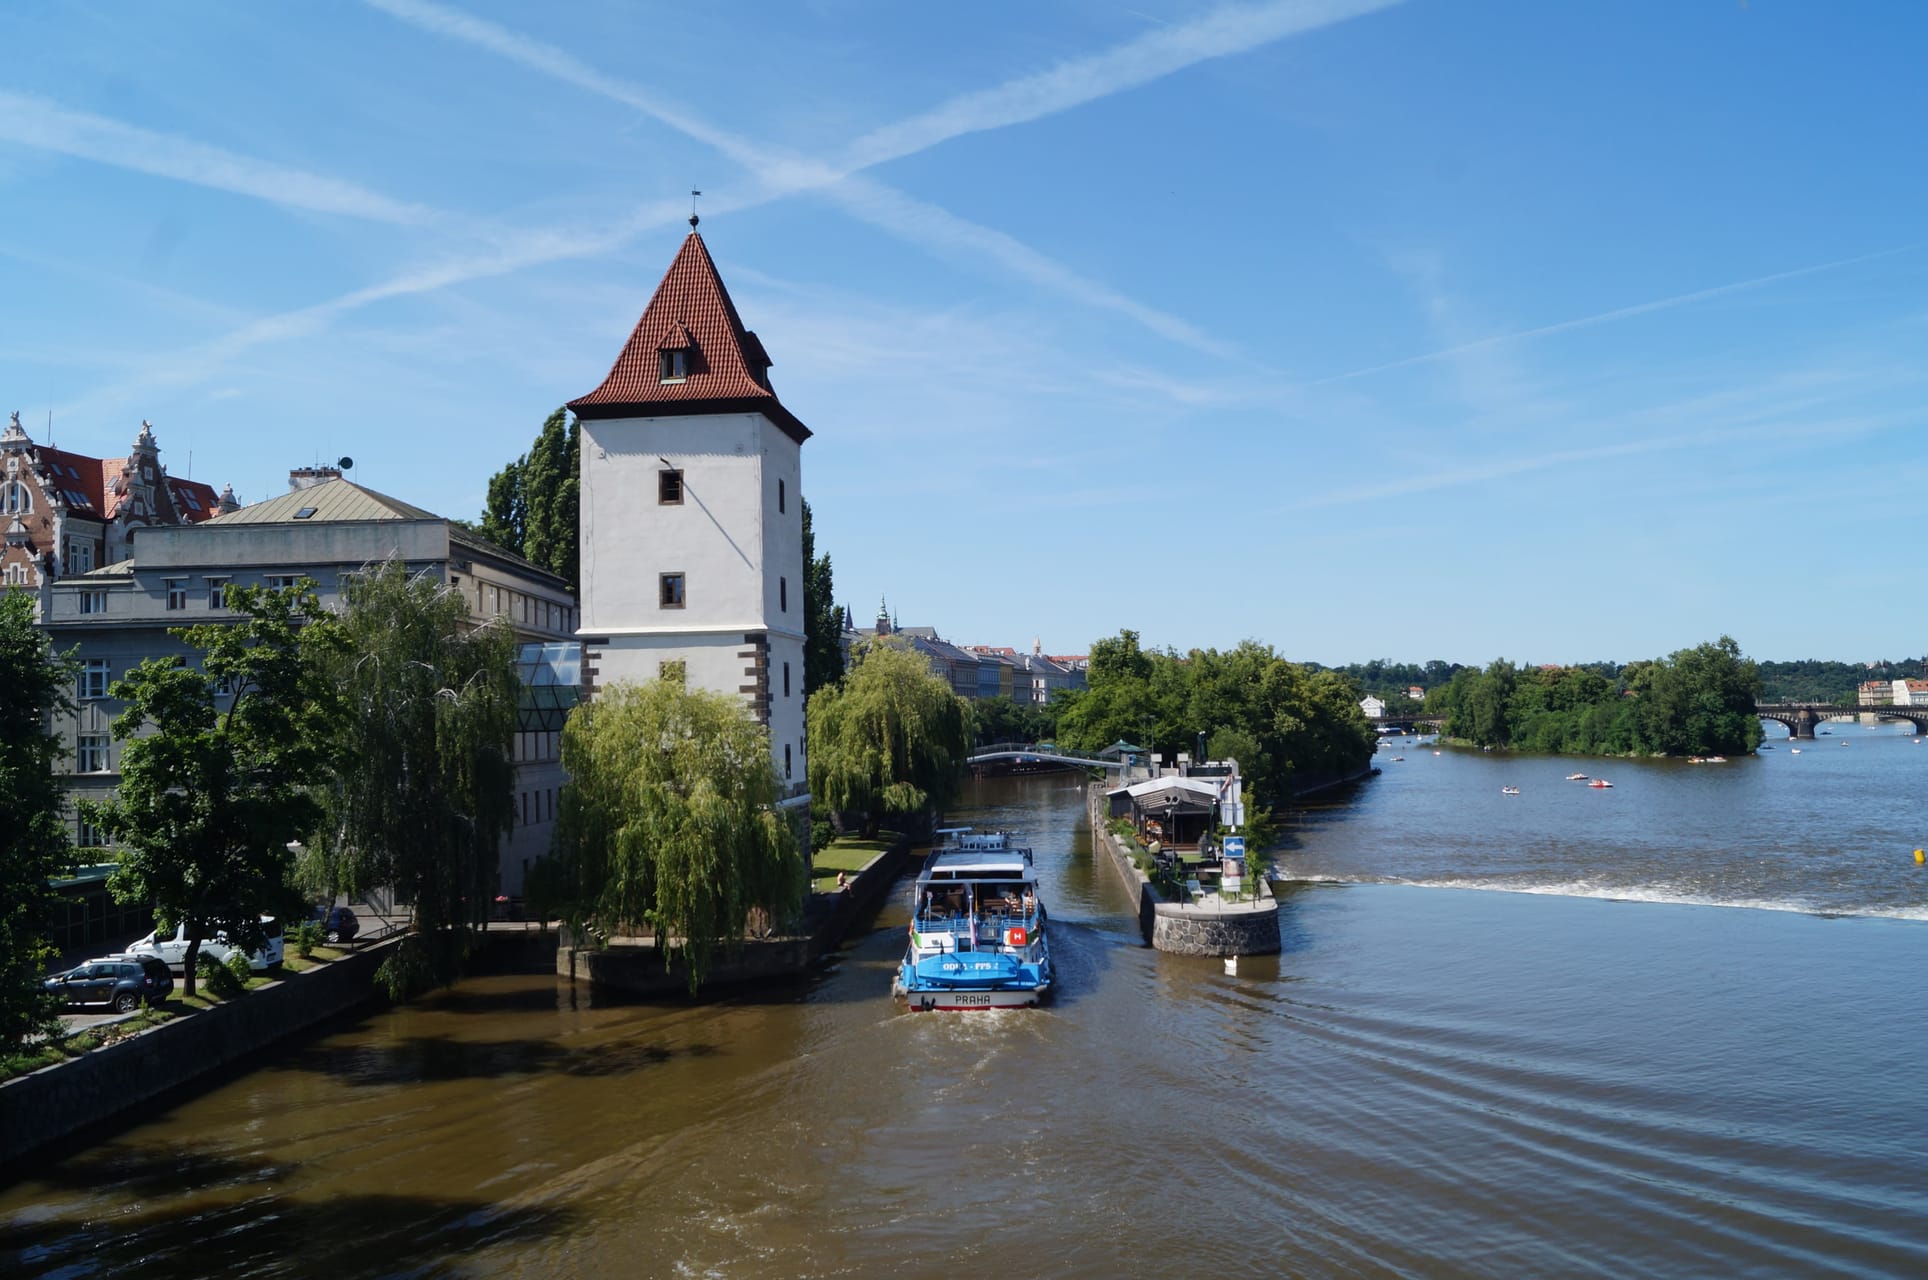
(691, 511)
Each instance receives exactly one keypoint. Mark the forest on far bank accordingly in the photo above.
(1803, 680)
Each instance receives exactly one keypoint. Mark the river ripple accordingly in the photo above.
(1426, 1083)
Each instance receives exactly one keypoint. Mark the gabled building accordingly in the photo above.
(326, 528)
(692, 515)
(65, 513)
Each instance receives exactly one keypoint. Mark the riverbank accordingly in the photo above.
(636, 966)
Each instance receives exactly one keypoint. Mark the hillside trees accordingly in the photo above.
(33, 841)
(424, 796)
(210, 799)
(668, 821)
(892, 739)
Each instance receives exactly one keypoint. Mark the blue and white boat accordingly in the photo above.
(977, 927)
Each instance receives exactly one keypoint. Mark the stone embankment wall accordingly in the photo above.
(827, 918)
(1180, 928)
(50, 1104)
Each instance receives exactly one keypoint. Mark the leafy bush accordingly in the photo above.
(821, 834)
(237, 967)
(308, 936)
(218, 978)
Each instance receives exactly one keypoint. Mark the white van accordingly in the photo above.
(173, 947)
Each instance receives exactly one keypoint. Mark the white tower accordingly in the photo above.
(691, 511)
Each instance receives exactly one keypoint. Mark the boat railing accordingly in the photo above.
(985, 926)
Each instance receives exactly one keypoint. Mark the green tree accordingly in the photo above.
(209, 799)
(33, 841)
(1005, 720)
(533, 504)
(423, 794)
(668, 820)
(891, 739)
(823, 661)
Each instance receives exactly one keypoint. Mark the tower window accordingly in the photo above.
(786, 684)
(675, 365)
(779, 497)
(669, 488)
(670, 590)
(786, 762)
(783, 595)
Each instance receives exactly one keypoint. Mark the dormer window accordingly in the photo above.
(675, 364)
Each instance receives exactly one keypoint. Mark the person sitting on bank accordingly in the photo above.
(843, 882)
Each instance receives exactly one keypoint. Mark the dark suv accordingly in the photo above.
(338, 924)
(122, 981)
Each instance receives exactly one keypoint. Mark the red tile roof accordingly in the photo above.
(92, 480)
(728, 371)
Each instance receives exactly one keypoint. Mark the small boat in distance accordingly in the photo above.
(1599, 783)
(977, 927)
(1576, 777)
(1716, 759)
(1795, 752)
(1509, 791)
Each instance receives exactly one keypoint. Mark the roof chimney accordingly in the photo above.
(308, 477)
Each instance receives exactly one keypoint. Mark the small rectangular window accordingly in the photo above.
(670, 590)
(93, 602)
(669, 488)
(89, 836)
(91, 755)
(176, 593)
(786, 762)
(674, 365)
(94, 678)
(786, 684)
(779, 497)
(282, 581)
(783, 595)
(306, 513)
(217, 593)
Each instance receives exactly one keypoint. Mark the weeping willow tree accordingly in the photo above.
(424, 795)
(892, 738)
(668, 822)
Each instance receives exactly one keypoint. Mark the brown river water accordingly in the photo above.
(1599, 1069)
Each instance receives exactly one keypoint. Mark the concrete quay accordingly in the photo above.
(1211, 927)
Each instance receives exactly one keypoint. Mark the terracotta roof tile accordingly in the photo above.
(727, 368)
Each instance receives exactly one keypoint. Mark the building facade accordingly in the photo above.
(692, 512)
(65, 513)
(325, 529)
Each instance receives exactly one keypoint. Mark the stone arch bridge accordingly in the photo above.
(1801, 717)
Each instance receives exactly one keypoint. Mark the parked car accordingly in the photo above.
(172, 948)
(122, 981)
(338, 924)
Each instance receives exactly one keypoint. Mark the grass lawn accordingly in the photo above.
(294, 963)
(846, 853)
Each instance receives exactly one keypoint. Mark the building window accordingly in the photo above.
(281, 581)
(176, 592)
(93, 678)
(669, 488)
(786, 762)
(786, 684)
(783, 595)
(88, 836)
(670, 590)
(779, 497)
(91, 755)
(93, 602)
(674, 365)
(16, 499)
(15, 575)
(80, 556)
(217, 593)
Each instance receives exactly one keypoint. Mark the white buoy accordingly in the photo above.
(1231, 966)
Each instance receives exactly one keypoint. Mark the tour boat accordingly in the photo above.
(1716, 760)
(977, 927)
(1598, 783)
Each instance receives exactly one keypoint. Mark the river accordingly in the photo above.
(1623, 1065)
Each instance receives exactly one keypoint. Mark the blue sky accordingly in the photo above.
(1426, 329)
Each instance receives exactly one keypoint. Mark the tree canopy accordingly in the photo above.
(668, 821)
(210, 798)
(533, 503)
(892, 738)
(1698, 701)
(33, 841)
(823, 661)
(1289, 726)
(424, 798)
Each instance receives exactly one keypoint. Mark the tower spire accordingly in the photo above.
(693, 218)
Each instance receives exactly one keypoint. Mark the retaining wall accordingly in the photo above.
(54, 1102)
(1182, 928)
(827, 919)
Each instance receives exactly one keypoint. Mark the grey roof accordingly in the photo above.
(118, 569)
(333, 502)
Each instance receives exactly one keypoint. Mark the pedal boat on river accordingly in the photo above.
(977, 927)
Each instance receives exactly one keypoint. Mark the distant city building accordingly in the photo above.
(1876, 693)
(1372, 706)
(67, 513)
(982, 670)
(692, 512)
(1415, 693)
(1910, 693)
(325, 528)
